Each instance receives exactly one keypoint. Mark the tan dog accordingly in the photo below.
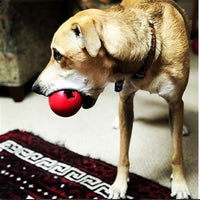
(140, 44)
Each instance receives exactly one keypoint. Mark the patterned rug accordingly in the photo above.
(31, 168)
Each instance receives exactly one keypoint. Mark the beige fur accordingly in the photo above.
(97, 47)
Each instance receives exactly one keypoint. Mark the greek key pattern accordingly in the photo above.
(57, 168)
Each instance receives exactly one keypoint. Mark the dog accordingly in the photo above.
(139, 45)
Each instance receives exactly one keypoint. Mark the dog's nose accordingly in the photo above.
(36, 88)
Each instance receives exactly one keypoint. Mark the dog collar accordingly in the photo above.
(148, 62)
(151, 55)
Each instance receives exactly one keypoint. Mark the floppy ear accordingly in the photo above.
(85, 30)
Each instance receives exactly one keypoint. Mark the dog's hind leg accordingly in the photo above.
(119, 187)
(179, 185)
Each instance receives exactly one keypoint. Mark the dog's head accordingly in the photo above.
(78, 61)
(84, 56)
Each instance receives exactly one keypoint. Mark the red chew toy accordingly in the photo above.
(65, 103)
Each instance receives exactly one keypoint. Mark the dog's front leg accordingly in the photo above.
(179, 186)
(119, 187)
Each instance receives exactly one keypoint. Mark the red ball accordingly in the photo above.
(65, 103)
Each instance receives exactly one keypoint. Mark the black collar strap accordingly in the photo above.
(148, 62)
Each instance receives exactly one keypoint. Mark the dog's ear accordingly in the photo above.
(86, 31)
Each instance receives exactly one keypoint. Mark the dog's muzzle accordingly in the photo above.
(87, 101)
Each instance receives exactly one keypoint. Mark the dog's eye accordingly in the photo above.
(77, 32)
(57, 56)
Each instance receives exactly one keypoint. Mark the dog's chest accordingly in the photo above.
(161, 86)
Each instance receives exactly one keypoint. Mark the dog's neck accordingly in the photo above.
(139, 66)
(150, 57)
(147, 64)
(127, 37)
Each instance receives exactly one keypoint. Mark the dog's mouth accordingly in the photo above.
(87, 100)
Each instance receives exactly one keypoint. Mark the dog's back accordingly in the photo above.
(133, 3)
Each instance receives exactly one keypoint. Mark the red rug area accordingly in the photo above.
(31, 168)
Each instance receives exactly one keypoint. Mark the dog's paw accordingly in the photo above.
(118, 190)
(180, 190)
